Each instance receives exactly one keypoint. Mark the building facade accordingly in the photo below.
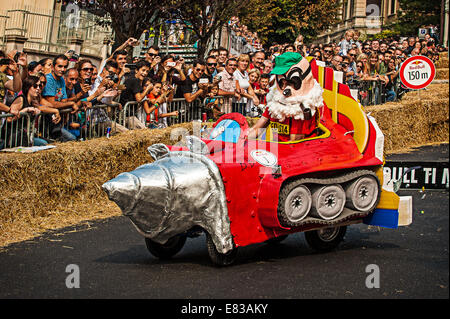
(45, 28)
(366, 16)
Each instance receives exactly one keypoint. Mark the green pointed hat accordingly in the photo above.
(285, 61)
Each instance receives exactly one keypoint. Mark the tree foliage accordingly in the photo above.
(129, 18)
(282, 21)
(275, 20)
(204, 17)
(416, 13)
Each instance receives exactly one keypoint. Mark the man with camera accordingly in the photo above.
(152, 57)
(78, 82)
(195, 85)
(210, 70)
(8, 68)
(120, 57)
(134, 91)
(106, 87)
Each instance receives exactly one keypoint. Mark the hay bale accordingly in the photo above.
(442, 63)
(58, 187)
(412, 121)
(441, 74)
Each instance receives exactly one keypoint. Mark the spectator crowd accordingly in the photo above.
(372, 66)
(66, 91)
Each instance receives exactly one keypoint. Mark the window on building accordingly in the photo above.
(392, 8)
(344, 11)
(351, 4)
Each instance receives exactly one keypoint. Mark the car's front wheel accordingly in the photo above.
(218, 258)
(167, 250)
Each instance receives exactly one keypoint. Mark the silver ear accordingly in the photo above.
(158, 150)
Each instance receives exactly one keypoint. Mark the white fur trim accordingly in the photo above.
(282, 108)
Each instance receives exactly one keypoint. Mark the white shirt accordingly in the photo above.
(243, 82)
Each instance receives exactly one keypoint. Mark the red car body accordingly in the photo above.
(258, 176)
(252, 190)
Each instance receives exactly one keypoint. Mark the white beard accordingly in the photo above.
(282, 108)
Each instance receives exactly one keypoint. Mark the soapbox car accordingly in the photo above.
(241, 191)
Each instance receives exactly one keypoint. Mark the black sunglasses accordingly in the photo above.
(294, 78)
(212, 64)
(87, 69)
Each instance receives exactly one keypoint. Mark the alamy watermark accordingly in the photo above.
(373, 279)
(373, 16)
(73, 279)
(73, 12)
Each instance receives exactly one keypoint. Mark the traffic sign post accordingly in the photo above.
(417, 72)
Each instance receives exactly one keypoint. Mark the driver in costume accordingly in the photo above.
(293, 111)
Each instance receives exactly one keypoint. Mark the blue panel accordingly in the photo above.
(231, 133)
(383, 217)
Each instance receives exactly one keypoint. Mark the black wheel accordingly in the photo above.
(276, 240)
(167, 250)
(217, 258)
(325, 239)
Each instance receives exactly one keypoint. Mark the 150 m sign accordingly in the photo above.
(417, 72)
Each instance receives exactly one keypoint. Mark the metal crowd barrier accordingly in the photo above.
(372, 92)
(376, 92)
(86, 124)
(97, 121)
(17, 132)
(188, 112)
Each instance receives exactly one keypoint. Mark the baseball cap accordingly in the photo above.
(285, 61)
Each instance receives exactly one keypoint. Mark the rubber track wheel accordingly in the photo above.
(284, 193)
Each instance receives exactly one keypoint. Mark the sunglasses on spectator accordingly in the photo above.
(352, 54)
(152, 54)
(37, 85)
(87, 69)
(212, 64)
(327, 51)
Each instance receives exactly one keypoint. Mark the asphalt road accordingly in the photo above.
(113, 262)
